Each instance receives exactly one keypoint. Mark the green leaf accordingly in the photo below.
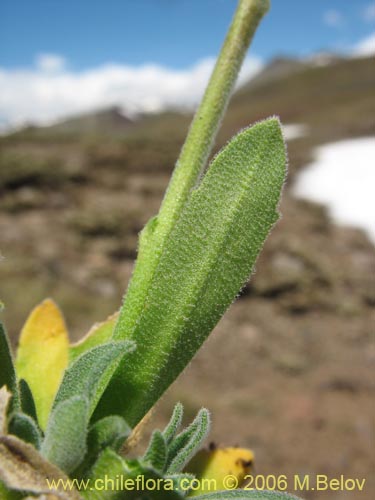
(7, 372)
(113, 470)
(174, 424)
(80, 390)
(109, 466)
(188, 442)
(65, 440)
(247, 495)
(27, 400)
(181, 481)
(91, 372)
(110, 432)
(24, 427)
(140, 279)
(156, 453)
(100, 333)
(166, 488)
(206, 260)
(193, 157)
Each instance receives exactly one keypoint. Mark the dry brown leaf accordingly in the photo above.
(5, 396)
(23, 468)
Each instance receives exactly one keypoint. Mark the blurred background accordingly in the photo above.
(95, 101)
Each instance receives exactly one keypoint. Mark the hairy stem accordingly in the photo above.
(208, 117)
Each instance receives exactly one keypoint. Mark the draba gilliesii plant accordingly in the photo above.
(70, 413)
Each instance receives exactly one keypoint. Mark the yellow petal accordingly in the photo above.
(216, 465)
(98, 334)
(43, 355)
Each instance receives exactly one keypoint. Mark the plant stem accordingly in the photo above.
(192, 159)
(208, 117)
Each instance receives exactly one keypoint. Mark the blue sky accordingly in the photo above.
(174, 33)
(63, 57)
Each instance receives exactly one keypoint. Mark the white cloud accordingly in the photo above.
(333, 18)
(368, 13)
(49, 92)
(50, 62)
(365, 47)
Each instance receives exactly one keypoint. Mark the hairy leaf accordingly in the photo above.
(167, 488)
(108, 466)
(114, 470)
(42, 355)
(207, 259)
(174, 424)
(181, 481)
(7, 371)
(188, 442)
(24, 427)
(110, 432)
(193, 157)
(27, 400)
(156, 453)
(91, 372)
(98, 334)
(65, 440)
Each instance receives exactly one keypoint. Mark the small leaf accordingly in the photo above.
(217, 464)
(27, 400)
(156, 453)
(91, 372)
(80, 390)
(65, 440)
(247, 495)
(187, 442)
(22, 468)
(166, 489)
(206, 260)
(110, 432)
(109, 466)
(174, 424)
(24, 427)
(181, 481)
(7, 373)
(100, 333)
(43, 355)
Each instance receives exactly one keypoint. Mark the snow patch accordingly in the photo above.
(293, 131)
(343, 178)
